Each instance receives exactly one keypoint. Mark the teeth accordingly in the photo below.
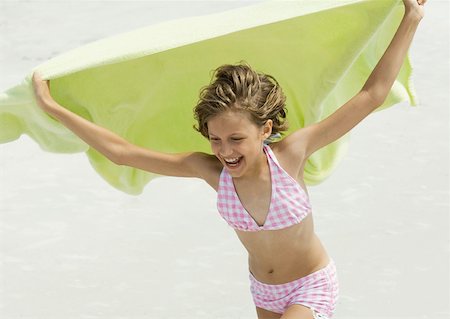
(232, 160)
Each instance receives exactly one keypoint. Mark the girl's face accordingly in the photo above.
(237, 142)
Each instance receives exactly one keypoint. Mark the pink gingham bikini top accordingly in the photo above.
(289, 203)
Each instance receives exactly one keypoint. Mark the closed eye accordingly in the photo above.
(233, 139)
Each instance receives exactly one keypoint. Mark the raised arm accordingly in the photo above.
(303, 142)
(386, 71)
(119, 150)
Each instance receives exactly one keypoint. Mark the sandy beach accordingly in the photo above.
(72, 246)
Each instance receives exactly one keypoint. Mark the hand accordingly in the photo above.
(415, 8)
(42, 92)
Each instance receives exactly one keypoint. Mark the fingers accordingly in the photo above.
(41, 87)
(35, 79)
(36, 76)
(38, 81)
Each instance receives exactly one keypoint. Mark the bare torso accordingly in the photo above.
(276, 256)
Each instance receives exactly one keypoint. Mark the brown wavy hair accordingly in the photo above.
(240, 88)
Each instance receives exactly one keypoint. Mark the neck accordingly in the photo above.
(258, 170)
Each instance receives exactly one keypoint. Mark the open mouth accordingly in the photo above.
(233, 162)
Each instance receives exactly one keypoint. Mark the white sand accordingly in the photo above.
(74, 247)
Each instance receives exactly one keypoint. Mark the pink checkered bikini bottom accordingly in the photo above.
(317, 291)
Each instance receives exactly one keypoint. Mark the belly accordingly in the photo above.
(280, 256)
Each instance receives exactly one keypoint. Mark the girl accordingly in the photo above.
(260, 188)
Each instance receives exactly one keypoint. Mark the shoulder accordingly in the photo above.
(291, 154)
(210, 170)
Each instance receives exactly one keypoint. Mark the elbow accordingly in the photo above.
(375, 98)
(116, 160)
(117, 155)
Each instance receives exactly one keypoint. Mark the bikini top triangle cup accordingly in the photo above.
(289, 203)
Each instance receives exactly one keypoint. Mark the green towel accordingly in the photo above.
(144, 84)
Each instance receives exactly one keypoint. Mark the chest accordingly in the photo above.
(255, 199)
(260, 201)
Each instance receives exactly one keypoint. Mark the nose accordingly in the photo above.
(225, 150)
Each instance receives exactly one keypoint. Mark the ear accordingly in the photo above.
(267, 129)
